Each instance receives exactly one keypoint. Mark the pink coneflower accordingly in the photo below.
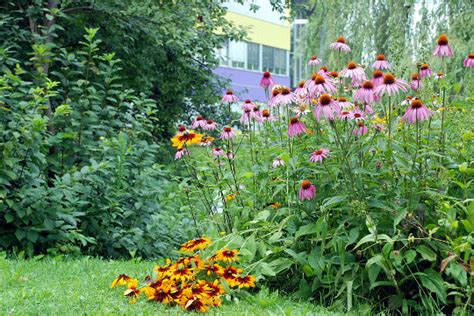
(377, 78)
(245, 118)
(381, 63)
(357, 114)
(267, 81)
(362, 129)
(199, 121)
(469, 61)
(210, 125)
(390, 86)
(326, 107)
(267, 117)
(227, 133)
(307, 191)
(248, 105)
(275, 98)
(406, 101)
(318, 85)
(229, 97)
(415, 83)
(439, 76)
(417, 111)
(340, 45)
(218, 151)
(366, 93)
(300, 89)
(296, 127)
(323, 71)
(180, 153)
(256, 114)
(230, 155)
(206, 141)
(355, 72)
(425, 71)
(319, 155)
(334, 74)
(278, 162)
(314, 61)
(181, 129)
(443, 49)
(343, 103)
(379, 127)
(345, 115)
(287, 97)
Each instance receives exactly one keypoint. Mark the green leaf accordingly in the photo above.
(426, 253)
(432, 280)
(306, 230)
(266, 269)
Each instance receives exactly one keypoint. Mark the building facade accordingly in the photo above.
(267, 48)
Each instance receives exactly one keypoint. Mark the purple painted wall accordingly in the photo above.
(246, 84)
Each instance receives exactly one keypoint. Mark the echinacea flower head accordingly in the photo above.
(255, 113)
(245, 118)
(295, 127)
(415, 83)
(267, 117)
(345, 115)
(323, 71)
(186, 138)
(334, 74)
(300, 89)
(319, 155)
(181, 129)
(218, 152)
(361, 129)
(229, 97)
(314, 61)
(354, 71)
(227, 255)
(210, 125)
(275, 97)
(377, 78)
(180, 153)
(286, 97)
(469, 61)
(439, 76)
(443, 49)
(417, 112)
(248, 105)
(343, 103)
(425, 71)
(381, 63)
(307, 191)
(267, 81)
(199, 121)
(390, 86)
(326, 107)
(340, 45)
(206, 141)
(320, 84)
(406, 101)
(278, 162)
(227, 133)
(366, 93)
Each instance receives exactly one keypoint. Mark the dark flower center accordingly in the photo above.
(318, 152)
(388, 79)
(443, 40)
(440, 74)
(230, 92)
(305, 184)
(345, 112)
(360, 124)
(294, 120)
(342, 99)
(276, 92)
(301, 84)
(266, 113)
(414, 77)
(341, 39)
(416, 104)
(248, 101)
(227, 129)
(325, 99)
(324, 68)
(351, 65)
(368, 85)
(314, 57)
(319, 79)
(266, 74)
(210, 121)
(334, 74)
(470, 56)
(380, 57)
(378, 74)
(357, 115)
(199, 118)
(285, 91)
(217, 149)
(182, 128)
(424, 66)
(247, 111)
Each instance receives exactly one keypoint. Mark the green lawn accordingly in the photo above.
(50, 286)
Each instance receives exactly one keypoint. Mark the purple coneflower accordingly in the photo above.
(357, 114)
(325, 107)
(345, 115)
(267, 117)
(377, 78)
(287, 97)
(296, 127)
(381, 63)
(318, 85)
(248, 105)
(443, 49)
(245, 118)
(362, 129)
(227, 133)
(210, 125)
(323, 71)
(417, 112)
(218, 151)
(343, 103)
(300, 89)
(439, 76)
(425, 71)
(181, 129)
(307, 191)
(256, 114)
(355, 72)
(469, 61)
(267, 81)
(390, 86)
(340, 45)
(366, 93)
(275, 98)
(278, 162)
(230, 155)
(314, 61)
(319, 155)
(415, 83)
(199, 121)
(229, 97)
(180, 153)
(406, 101)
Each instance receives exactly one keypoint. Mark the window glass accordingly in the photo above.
(253, 56)
(237, 54)
(274, 60)
(223, 54)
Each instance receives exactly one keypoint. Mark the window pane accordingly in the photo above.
(274, 60)
(237, 52)
(267, 58)
(223, 54)
(253, 56)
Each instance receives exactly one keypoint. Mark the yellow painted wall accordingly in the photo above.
(262, 32)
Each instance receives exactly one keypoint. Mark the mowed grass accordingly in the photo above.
(65, 287)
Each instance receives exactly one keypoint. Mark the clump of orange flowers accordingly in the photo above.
(192, 282)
